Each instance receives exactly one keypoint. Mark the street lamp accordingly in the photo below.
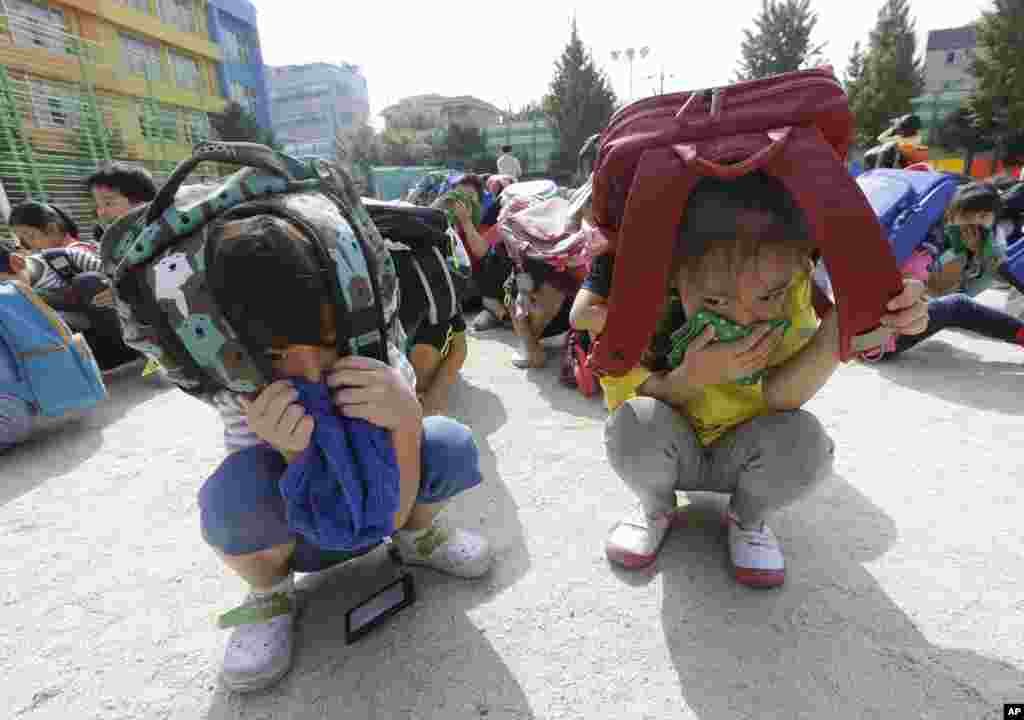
(661, 75)
(629, 54)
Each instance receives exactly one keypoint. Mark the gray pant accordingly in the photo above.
(765, 463)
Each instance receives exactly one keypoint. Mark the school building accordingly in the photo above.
(85, 81)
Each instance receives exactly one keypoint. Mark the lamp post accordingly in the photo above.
(630, 54)
(661, 77)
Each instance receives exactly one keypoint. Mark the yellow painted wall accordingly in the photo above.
(101, 22)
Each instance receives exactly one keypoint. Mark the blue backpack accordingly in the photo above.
(908, 204)
(55, 370)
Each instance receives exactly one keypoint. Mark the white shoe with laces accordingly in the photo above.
(756, 555)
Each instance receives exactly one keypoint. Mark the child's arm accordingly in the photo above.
(589, 312)
(435, 399)
(790, 385)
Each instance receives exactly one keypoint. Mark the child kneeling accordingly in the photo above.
(728, 417)
(243, 512)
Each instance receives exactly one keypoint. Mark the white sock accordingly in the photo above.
(286, 586)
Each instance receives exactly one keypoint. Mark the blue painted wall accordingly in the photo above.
(240, 16)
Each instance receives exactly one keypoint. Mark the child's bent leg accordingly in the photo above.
(549, 302)
(243, 518)
(450, 463)
(769, 462)
(242, 515)
(652, 448)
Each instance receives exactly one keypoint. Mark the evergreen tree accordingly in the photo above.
(997, 102)
(579, 102)
(890, 72)
(239, 125)
(780, 41)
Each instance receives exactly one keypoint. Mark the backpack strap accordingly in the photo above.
(848, 233)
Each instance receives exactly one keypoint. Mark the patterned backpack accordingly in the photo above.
(164, 260)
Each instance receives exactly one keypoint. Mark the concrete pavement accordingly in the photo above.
(904, 596)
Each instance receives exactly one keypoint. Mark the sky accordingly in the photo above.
(504, 52)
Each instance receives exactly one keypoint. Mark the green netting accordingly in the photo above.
(393, 183)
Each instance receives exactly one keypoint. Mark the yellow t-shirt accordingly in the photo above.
(720, 408)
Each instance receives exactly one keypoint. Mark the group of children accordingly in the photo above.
(697, 414)
(65, 271)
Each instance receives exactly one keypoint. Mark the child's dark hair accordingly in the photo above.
(40, 216)
(733, 220)
(975, 197)
(135, 183)
(506, 148)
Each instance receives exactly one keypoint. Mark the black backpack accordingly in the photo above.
(420, 241)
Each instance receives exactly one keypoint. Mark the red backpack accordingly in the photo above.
(796, 127)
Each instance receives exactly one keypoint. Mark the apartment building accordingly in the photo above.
(145, 70)
(242, 76)
(311, 104)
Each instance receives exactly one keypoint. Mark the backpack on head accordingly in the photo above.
(431, 284)
(171, 261)
(796, 127)
(56, 371)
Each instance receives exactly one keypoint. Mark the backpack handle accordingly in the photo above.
(730, 171)
(236, 153)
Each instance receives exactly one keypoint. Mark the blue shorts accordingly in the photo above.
(242, 511)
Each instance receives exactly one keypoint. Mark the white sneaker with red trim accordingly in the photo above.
(634, 543)
(756, 555)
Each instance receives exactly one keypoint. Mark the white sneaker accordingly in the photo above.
(259, 652)
(634, 543)
(456, 552)
(756, 555)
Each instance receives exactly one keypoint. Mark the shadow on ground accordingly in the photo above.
(63, 444)
(417, 664)
(958, 376)
(830, 643)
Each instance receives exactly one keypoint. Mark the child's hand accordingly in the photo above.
(707, 363)
(908, 311)
(368, 389)
(104, 299)
(277, 419)
(462, 213)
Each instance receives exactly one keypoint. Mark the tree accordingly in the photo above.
(463, 146)
(579, 103)
(959, 132)
(780, 41)
(854, 73)
(532, 109)
(358, 150)
(238, 124)
(997, 101)
(890, 72)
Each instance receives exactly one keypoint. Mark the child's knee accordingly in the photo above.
(801, 440)
(639, 427)
(450, 460)
(240, 505)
